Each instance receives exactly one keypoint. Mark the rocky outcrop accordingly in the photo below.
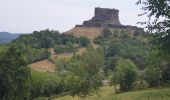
(104, 16)
(107, 18)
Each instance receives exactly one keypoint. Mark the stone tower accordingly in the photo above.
(103, 17)
(108, 16)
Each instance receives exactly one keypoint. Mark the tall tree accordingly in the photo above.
(14, 76)
(85, 76)
(125, 74)
(158, 22)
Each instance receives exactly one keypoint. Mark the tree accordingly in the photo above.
(14, 76)
(84, 41)
(152, 72)
(85, 75)
(158, 22)
(106, 33)
(125, 74)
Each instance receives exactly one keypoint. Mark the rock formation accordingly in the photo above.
(107, 18)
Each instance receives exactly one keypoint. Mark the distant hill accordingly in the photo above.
(6, 37)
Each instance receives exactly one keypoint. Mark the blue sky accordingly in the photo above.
(28, 15)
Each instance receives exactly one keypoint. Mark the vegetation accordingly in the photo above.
(157, 12)
(131, 58)
(35, 46)
(84, 76)
(107, 93)
(152, 73)
(125, 45)
(158, 15)
(68, 48)
(106, 33)
(45, 84)
(84, 41)
(14, 76)
(126, 74)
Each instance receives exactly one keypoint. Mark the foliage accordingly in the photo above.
(35, 46)
(45, 84)
(69, 47)
(14, 76)
(84, 41)
(45, 39)
(158, 15)
(3, 49)
(125, 74)
(84, 74)
(153, 72)
(127, 48)
(32, 54)
(106, 33)
(107, 93)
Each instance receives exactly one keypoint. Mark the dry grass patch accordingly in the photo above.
(90, 32)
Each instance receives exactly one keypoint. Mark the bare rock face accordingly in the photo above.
(107, 18)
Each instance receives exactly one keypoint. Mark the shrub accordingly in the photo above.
(84, 41)
(106, 33)
(125, 74)
(45, 84)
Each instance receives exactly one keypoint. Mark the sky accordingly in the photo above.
(25, 16)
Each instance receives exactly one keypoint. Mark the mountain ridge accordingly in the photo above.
(6, 37)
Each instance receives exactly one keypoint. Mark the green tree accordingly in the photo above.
(158, 22)
(152, 72)
(14, 76)
(85, 76)
(106, 33)
(125, 74)
(84, 41)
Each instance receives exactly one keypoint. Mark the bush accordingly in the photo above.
(69, 48)
(106, 33)
(152, 76)
(126, 74)
(45, 84)
(152, 72)
(84, 41)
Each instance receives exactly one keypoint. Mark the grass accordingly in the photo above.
(90, 32)
(107, 93)
(47, 66)
(148, 94)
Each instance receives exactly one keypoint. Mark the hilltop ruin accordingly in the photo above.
(107, 18)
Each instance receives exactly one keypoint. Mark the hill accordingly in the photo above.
(6, 37)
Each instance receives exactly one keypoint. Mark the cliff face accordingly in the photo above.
(107, 18)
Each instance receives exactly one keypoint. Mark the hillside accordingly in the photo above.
(6, 37)
(46, 65)
(49, 66)
(90, 32)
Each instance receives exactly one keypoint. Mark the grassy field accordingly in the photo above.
(107, 93)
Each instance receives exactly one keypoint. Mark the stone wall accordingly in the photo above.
(107, 18)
